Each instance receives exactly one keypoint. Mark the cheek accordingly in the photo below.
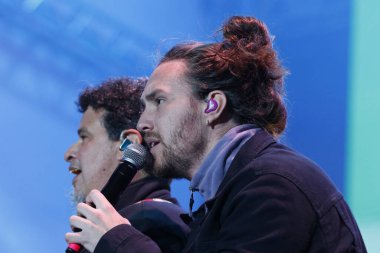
(91, 162)
(96, 171)
(177, 122)
(87, 161)
(164, 125)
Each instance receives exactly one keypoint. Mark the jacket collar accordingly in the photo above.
(254, 146)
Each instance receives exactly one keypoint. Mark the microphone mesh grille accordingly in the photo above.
(135, 154)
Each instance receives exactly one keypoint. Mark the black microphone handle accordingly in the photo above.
(119, 180)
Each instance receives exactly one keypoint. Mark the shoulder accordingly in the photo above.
(281, 169)
(152, 208)
(154, 215)
(160, 220)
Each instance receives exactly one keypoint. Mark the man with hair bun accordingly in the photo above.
(212, 114)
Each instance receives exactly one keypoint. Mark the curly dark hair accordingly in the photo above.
(120, 98)
(244, 66)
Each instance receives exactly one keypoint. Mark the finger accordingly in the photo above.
(80, 222)
(99, 200)
(93, 193)
(73, 238)
(84, 209)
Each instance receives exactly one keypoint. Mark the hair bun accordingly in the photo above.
(249, 29)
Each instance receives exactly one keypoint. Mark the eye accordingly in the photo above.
(159, 101)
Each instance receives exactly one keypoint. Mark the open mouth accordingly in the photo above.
(152, 144)
(75, 171)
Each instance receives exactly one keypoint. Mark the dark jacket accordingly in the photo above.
(271, 200)
(150, 208)
(274, 200)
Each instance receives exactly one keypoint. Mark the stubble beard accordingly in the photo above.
(185, 151)
(77, 197)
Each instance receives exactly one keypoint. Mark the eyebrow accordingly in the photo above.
(151, 96)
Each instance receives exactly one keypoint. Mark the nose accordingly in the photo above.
(145, 122)
(70, 153)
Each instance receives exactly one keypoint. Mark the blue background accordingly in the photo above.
(50, 50)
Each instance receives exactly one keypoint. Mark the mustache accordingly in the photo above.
(151, 135)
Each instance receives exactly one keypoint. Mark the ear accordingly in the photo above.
(216, 103)
(129, 136)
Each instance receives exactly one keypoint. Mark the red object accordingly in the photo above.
(74, 247)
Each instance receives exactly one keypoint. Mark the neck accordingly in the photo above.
(139, 175)
(214, 134)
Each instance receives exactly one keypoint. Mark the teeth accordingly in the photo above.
(152, 144)
(75, 171)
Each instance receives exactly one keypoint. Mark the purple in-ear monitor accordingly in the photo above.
(212, 105)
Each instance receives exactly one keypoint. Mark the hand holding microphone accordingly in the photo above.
(100, 216)
(96, 223)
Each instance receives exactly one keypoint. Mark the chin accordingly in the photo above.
(78, 197)
(158, 170)
(168, 172)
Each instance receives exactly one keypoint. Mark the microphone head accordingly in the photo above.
(135, 154)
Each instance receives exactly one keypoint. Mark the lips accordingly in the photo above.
(152, 144)
(151, 141)
(74, 170)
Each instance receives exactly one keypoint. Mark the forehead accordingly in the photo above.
(92, 118)
(168, 77)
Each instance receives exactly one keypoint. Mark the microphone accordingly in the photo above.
(133, 159)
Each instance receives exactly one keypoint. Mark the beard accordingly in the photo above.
(188, 144)
(77, 197)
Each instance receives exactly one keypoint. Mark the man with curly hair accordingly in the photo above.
(108, 110)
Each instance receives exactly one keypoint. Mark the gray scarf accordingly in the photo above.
(215, 166)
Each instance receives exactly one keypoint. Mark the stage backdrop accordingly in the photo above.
(50, 50)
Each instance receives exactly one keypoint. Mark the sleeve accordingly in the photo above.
(125, 238)
(269, 214)
(156, 227)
